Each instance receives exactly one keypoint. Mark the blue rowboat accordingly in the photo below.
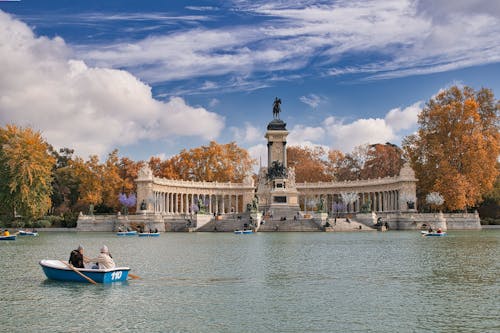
(149, 234)
(57, 270)
(127, 233)
(435, 234)
(11, 237)
(27, 233)
(241, 232)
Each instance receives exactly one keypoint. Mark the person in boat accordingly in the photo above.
(430, 230)
(104, 260)
(76, 258)
(439, 231)
(6, 233)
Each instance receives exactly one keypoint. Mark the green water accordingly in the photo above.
(265, 282)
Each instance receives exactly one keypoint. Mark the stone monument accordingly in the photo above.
(276, 190)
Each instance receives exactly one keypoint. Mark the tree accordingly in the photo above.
(434, 199)
(112, 183)
(89, 180)
(65, 184)
(349, 198)
(215, 162)
(457, 145)
(25, 172)
(309, 163)
(382, 160)
(349, 166)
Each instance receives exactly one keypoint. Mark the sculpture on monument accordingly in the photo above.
(276, 108)
(276, 170)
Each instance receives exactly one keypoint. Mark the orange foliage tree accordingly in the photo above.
(88, 173)
(25, 172)
(382, 160)
(215, 162)
(456, 148)
(309, 163)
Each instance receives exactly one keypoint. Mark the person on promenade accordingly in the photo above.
(76, 258)
(104, 260)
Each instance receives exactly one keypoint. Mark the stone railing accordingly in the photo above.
(204, 185)
(355, 183)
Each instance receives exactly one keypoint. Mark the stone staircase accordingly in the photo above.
(345, 224)
(227, 223)
(300, 224)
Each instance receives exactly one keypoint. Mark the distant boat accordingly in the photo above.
(27, 233)
(433, 234)
(149, 234)
(10, 237)
(127, 233)
(57, 270)
(241, 232)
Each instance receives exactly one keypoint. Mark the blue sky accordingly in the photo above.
(154, 77)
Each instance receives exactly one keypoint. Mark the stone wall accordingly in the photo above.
(396, 221)
(415, 221)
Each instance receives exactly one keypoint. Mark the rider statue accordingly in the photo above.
(276, 108)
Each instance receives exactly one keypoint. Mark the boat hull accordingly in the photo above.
(433, 234)
(126, 233)
(28, 233)
(7, 238)
(56, 270)
(243, 232)
(148, 234)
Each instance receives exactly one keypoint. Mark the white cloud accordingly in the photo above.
(317, 37)
(345, 137)
(259, 153)
(404, 119)
(90, 109)
(312, 100)
(249, 134)
(213, 102)
(300, 135)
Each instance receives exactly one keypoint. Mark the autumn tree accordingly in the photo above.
(129, 171)
(456, 148)
(65, 184)
(25, 172)
(88, 174)
(111, 182)
(348, 166)
(215, 162)
(309, 163)
(382, 160)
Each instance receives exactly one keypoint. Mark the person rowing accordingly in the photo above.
(104, 260)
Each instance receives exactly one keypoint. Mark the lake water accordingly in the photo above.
(265, 282)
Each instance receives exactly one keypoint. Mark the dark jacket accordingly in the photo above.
(76, 259)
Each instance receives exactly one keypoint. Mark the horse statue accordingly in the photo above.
(276, 108)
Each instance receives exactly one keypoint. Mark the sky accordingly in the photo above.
(151, 78)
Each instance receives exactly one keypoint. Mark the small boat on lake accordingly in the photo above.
(149, 234)
(433, 234)
(27, 233)
(10, 237)
(58, 270)
(241, 232)
(127, 233)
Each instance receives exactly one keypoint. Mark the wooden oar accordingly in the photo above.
(78, 272)
(133, 276)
